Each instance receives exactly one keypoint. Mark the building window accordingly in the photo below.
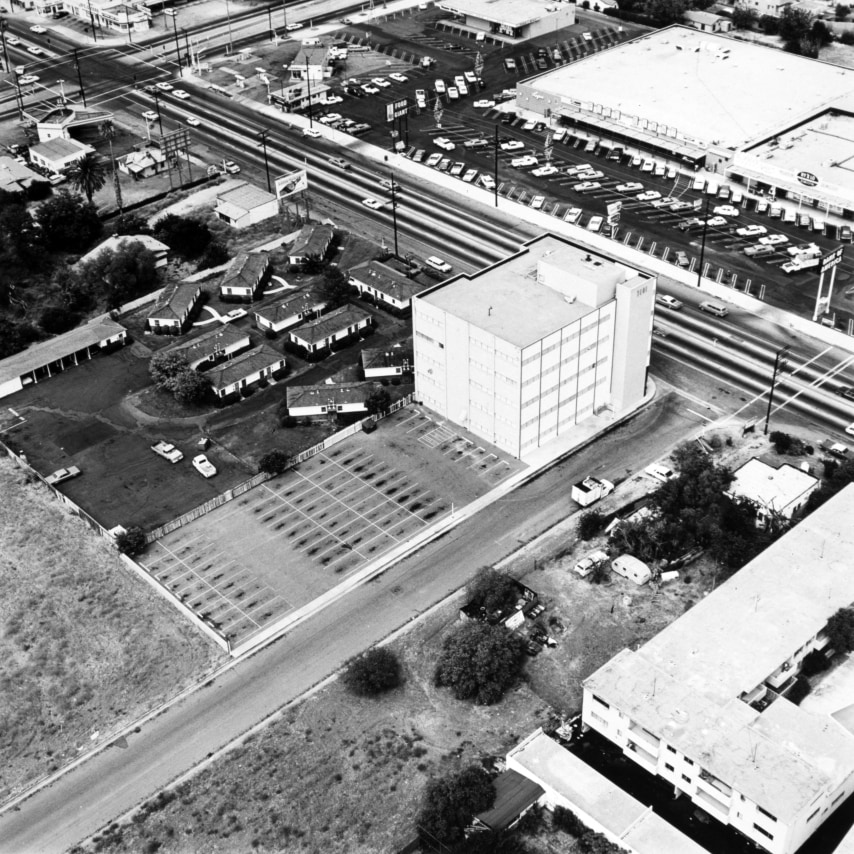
(766, 813)
(763, 831)
(813, 815)
(669, 767)
(600, 701)
(671, 749)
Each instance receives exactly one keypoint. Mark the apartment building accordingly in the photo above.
(704, 706)
(523, 351)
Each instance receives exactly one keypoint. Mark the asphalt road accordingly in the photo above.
(120, 777)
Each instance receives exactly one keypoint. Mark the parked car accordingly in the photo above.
(586, 186)
(512, 145)
(681, 206)
(660, 472)
(434, 159)
(61, 475)
(544, 171)
(476, 143)
(204, 466)
(716, 222)
(648, 196)
(751, 231)
(510, 64)
(163, 86)
(231, 167)
(486, 181)
(689, 224)
(682, 259)
(726, 210)
(397, 77)
(773, 239)
(470, 175)
(444, 143)
(537, 202)
(758, 250)
(631, 187)
(483, 104)
(168, 451)
(524, 160)
(586, 565)
(595, 223)
(573, 215)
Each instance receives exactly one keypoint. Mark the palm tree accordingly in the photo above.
(108, 132)
(88, 175)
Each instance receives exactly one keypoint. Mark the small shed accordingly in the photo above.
(515, 794)
(630, 567)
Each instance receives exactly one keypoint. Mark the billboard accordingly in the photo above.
(293, 182)
(396, 109)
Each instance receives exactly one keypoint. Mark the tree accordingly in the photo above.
(88, 175)
(493, 842)
(373, 672)
(166, 367)
(451, 802)
(840, 630)
(184, 235)
(68, 223)
(334, 288)
(56, 319)
(795, 23)
(191, 387)
(273, 462)
(108, 131)
(744, 18)
(842, 11)
(131, 542)
(377, 401)
(589, 524)
(665, 12)
(479, 662)
(130, 223)
(770, 24)
(15, 336)
(122, 274)
(20, 237)
(492, 590)
(215, 255)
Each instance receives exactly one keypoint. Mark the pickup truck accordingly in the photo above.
(836, 449)
(799, 263)
(589, 490)
(168, 452)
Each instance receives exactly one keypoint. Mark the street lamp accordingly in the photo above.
(174, 15)
(703, 243)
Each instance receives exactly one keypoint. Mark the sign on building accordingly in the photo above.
(808, 179)
(396, 109)
(293, 182)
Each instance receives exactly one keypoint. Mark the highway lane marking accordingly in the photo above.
(699, 414)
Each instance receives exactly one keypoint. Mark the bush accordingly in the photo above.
(782, 442)
(55, 319)
(186, 236)
(131, 542)
(840, 630)
(566, 820)
(39, 190)
(450, 803)
(814, 662)
(492, 590)
(274, 462)
(373, 672)
(589, 524)
(215, 255)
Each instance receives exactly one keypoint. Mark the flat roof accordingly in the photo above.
(246, 196)
(774, 488)
(709, 87)
(507, 301)
(546, 762)
(515, 13)
(59, 147)
(514, 793)
(684, 685)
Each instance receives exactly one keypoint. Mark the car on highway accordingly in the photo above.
(660, 472)
(438, 264)
(573, 215)
(476, 143)
(192, 121)
(660, 331)
(27, 79)
(373, 204)
(546, 170)
(163, 86)
(150, 116)
(845, 391)
(524, 160)
(398, 77)
(850, 429)
(715, 308)
(512, 145)
(182, 94)
(312, 132)
(204, 466)
(586, 186)
(631, 187)
(168, 451)
(35, 51)
(773, 239)
(297, 25)
(37, 28)
(13, 40)
(483, 104)
(434, 159)
(648, 196)
(668, 301)
(716, 221)
(444, 143)
(470, 175)
(751, 231)
(682, 259)
(758, 250)
(726, 210)
(231, 167)
(340, 162)
(537, 202)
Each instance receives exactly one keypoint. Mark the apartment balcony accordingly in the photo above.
(651, 742)
(715, 788)
(711, 805)
(642, 756)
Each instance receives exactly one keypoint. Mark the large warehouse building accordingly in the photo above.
(522, 351)
(778, 122)
(704, 705)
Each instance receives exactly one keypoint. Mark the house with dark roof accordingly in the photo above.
(385, 284)
(388, 361)
(116, 242)
(289, 311)
(515, 794)
(312, 241)
(143, 164)
(41, 361)
(173, 309)
(325, 331)
(246, 370)
(213, 346)
(244, 205)
(245, 277)
(329, 398)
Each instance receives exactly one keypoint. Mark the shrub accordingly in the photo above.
(565, 819)
(451, 802)
(840, 630)
(131, 542)
(492, 590)
(814, 662)
(373, 672)
(589, 524)
(55, 319)
(782, 441)
(273, 462)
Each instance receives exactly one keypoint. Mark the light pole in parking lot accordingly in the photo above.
(703, 242)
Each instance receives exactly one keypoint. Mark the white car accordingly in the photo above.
(586, 565)
(584, 186)
(657, 471)
(312, 132)
(192, 121)
(27, 79)
(381, 82)
(439, 264)
(850, 429)
(751, 230)
(716, 221)
(168, 451)
(543, 171)
(483, 104)
(373, 204)
(470, 175)
(204, 466)
(182, 94)
(668, 302)
(595, 223)
(512, 145)
(333, 99)
(631, 187)
(164, 87)
(398, 78)
(234, 314)
(487, 181)
(38, 29)
(231, 167)
(150, 116)
(35, 51)
(295, 26)
(370, 90)
(581, 167)
(648, 166)
(648, 196)
(340, 162)
(573, 215)
(537, 202)
(433, 160)
(524, 160)
(726, 210)
(444, 143)
(773, 239)
(590, 175)
(12, 40)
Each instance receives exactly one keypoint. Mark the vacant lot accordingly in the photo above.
(85, 647)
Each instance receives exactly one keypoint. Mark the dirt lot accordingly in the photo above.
(85, 646)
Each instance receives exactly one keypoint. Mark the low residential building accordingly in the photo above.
(312, 241)
(116, 242)
(765, 7)
(329, 398)
(16, 177)
(143, 164)
(311, 64)
(385, 284)
(48, 358)
(216, 345)
(325, 331)
(707, 22)
(173, 309)
(245, 205)
(781, 492)
(59, 154)
(515, 794)
(703, 705)
(289, 311)
(245, 371)
(245, 277)
(388, 361)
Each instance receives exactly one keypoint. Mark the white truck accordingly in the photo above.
(168, 452)
(590, 490)
(803, 257)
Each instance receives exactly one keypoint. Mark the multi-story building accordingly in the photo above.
(704, 706)
(523, 351)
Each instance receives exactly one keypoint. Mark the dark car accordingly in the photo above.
(846, 391)
(542, 64)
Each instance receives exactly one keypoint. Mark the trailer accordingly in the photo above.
(590, 490)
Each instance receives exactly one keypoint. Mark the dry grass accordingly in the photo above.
(82, 641)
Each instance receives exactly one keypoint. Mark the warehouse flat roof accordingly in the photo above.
(709, 87)
(684, 685)
(516, 13)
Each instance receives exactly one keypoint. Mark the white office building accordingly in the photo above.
(523, 351)
(704, 706)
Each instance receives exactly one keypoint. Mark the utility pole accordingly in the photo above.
(308, 84)
(92, 19)
(703, 243)
(394, 211)
(285, 17)
(262, 136)
(18, 96)
(3, 26)
(174, 15)
(159, 114)
(228, 15)
(779, 364)
(495, 167)
(189, 56)
(79, 76)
